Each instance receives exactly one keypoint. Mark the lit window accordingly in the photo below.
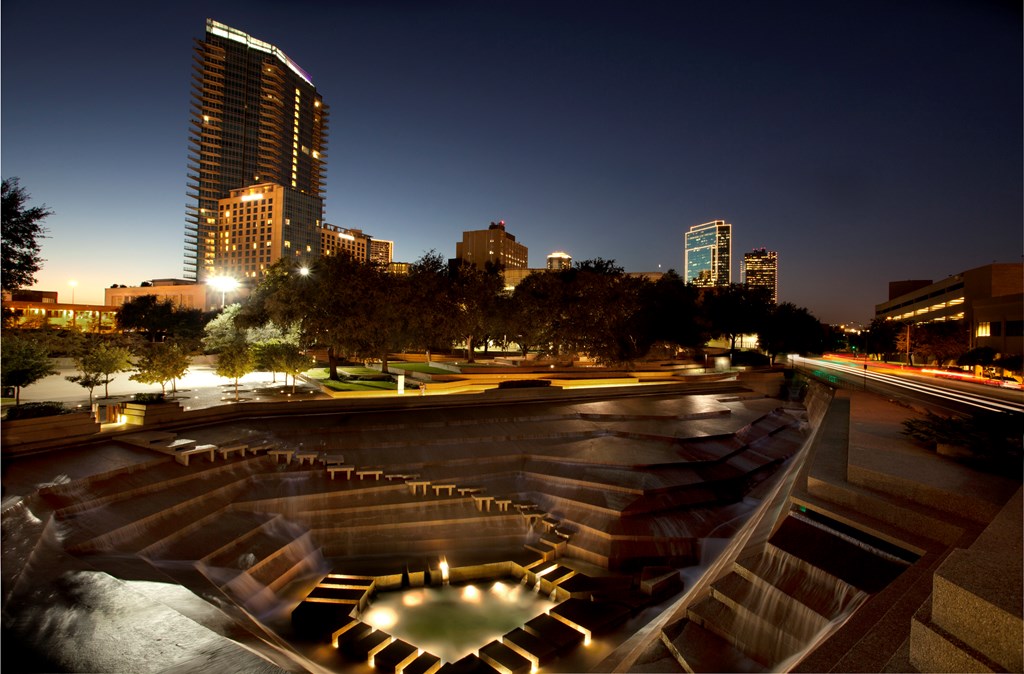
(984, 329)
(287, 244)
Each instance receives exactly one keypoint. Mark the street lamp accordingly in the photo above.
(225, 284)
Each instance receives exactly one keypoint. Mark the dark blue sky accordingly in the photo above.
(865, 141)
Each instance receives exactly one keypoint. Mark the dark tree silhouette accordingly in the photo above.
(22, 229)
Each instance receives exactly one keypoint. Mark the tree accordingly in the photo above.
(22, 229)
(99, 360)
(290, 359)
(881, 337)
(943, 341)
(161, 362)
(159, 319)
(474, 293)
(790, 329)
(23, 363)
(736, 309)
(235, 361)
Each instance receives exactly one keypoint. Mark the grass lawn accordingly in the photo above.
(359, 385)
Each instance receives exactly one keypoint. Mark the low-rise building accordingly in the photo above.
(988, 299)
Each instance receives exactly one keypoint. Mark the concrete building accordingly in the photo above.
(707, 254)
(34, 309)
(493, 244)
(988, 299)
(760, 269)
(259, 225)
(381, 251)
(340, 240)
(183, 293)
(559, 260)
(256, 118)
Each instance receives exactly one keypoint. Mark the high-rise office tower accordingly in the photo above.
(256, 119)
(707, 257)
(559, 260)
(493, 244)
(760, 269)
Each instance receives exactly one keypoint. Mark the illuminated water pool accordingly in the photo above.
(453, 621)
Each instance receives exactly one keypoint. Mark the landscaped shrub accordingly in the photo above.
(994, 441)
(148, 398)
(524, 383)
(750, 358)
(48, 408)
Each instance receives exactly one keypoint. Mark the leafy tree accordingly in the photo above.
(881, 336)
(290, 359)
(943, 341)
(790, 329)
(161, 362)
(235, 361)
(736, 309)
(982, 355)
(22, 229)
(474, 293)
(159, 319)
(87, 380)
(670, 310)
(99, 360)
(430, 317)
(23, 362)
(536, 313)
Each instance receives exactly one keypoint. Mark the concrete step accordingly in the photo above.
(697, 649)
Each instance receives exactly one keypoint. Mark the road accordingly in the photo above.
(939, 395)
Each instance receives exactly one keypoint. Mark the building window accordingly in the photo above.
(984, 329)
(1014, 328)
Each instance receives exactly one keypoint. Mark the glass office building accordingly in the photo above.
(256, 118)
(707, 258)
(760, 269)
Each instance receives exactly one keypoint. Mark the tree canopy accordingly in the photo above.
(22, 229)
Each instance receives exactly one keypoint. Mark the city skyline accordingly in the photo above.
(860, 142)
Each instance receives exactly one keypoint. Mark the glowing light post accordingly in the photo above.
(224, 284)
(444, 571)
(74, 318)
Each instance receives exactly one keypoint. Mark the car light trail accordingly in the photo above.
(971, 399)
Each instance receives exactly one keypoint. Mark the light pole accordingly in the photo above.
(73, 285)
(224, 284)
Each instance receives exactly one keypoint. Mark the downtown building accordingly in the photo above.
(707, 256)
(257, 159)
(494, 245)
(760, 269)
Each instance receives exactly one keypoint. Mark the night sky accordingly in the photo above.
(864, 141)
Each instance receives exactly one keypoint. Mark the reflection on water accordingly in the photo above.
(453, 621)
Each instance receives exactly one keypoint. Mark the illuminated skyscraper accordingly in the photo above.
(760, 269)
(707, 257)
(256, 119)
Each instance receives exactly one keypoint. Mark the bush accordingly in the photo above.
(994, 440)
(524, 383)
(148, 398)
(750, 358)
(36, 410)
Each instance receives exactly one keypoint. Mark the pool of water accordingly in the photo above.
(453, 621)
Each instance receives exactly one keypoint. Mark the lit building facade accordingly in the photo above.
(341, 241)
(707, 256)
(256, 118)
(760, 269)
(493, 244)
(381, 251)
(259, 225)
(558, 261)
(988, 299)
